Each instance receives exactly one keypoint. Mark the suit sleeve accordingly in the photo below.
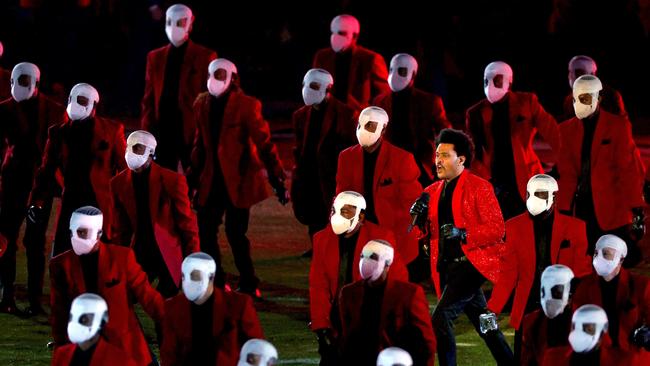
(547, 127)
(119, 163)
(320, 303)
(45, 177)
(487, 226)
(59, 303)
(508, 276)
(409, 186)
(184, 217)
(148, 103)
(260, 133)
(249, 322)
(170, 342)
(150, 299)
(421, 320)
(121, 230)
(629, 168)
(342, 179)
(379, 76)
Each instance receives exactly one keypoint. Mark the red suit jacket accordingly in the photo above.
(244, 143)
(192, 81)
(368, 76)
(120, 280)
(108, 147)
(476, 210)
(396, 187)
(427, 118)
(527, 118)
(337, 133)
(632, 305)
(234, 322)
(324, 270)
(105, 354)
(172, 219)
(617, 172)
(568, 247)
(404, 321)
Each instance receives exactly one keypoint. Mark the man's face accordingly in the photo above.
(371, 126)
(139, 149)
(348, 211)
(609, 253)
(86, 233)
(448, 164)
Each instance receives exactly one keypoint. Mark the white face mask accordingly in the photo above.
(196, 290)
(372, 269)
(585, 110)
(257, 352)
(343, 23)
(176, 34)
(553, 307)
(393, 356)
(553, 302)
(20, 93)
(20, 71)
(135, 161)
(586, 84)
(396, 82)
(603, 266)
(311, 96)
(220, 66)
(316, 78)
(93, 225)
(77, 111)
(592, 315)
(536, 205)
(79, 333)
(367, 138)
(492, 92)
(216, 87)
(340, 224)
(340, 43)
(371, 114)
(582, 342)
(83, 306)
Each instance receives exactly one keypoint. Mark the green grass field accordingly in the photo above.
(278, 240)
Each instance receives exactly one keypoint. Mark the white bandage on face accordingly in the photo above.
(220, 75)
(24, 81)
(540, 185)
(375, 257)
(394, 356)
(88, 313)
(257, 352)
(555, 288)
(344, 30)
(605, 264)
(369, 118)
(134, 160)
(589, 322)
(178, 23)
(341, 224)
(581, 65)
(81, 102)
(198, 270)
(403, 68)
(315, 85)
(586, 91)
(497, 80)
(86, 229)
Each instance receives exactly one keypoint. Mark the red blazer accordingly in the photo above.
(105, 354)
(476, 210)
(427, 118)
(234, 322)
(568, 247)
(5, 83)
(617, 172)
(324, 270)
(120, 282)
(192, 81)
(244, 143)
(172, 219)
(405, 321)
(368, 76)
(534, 348)
(15, 122)
(337, 134)
(527, 118)
(632, 304)
(107, 147)
(396, 187)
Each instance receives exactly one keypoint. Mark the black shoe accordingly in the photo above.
(307, 254)
(9, 307)
(34, 310)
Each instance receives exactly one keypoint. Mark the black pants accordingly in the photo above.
(461, 284)
(209, 219)
(16, 186)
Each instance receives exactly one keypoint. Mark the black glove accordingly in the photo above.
(35, 214)
(420, 211)
(641, 337)
(326, 346)
(637, 230)
(449, 231)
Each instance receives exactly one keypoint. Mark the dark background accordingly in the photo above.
(272, 43)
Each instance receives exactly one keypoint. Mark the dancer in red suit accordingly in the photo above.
(110, 271)
(337, 249)
(416, 116)
(534, 240)
(25, 117)
(503, 127)
(361, 73)
(175, 76)
(378, 312)
(231, 149)
(465, 230)
(153, 215)
(624, 296)
(90, 347)
(87, 151)
(206, 325)
(386, 175)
